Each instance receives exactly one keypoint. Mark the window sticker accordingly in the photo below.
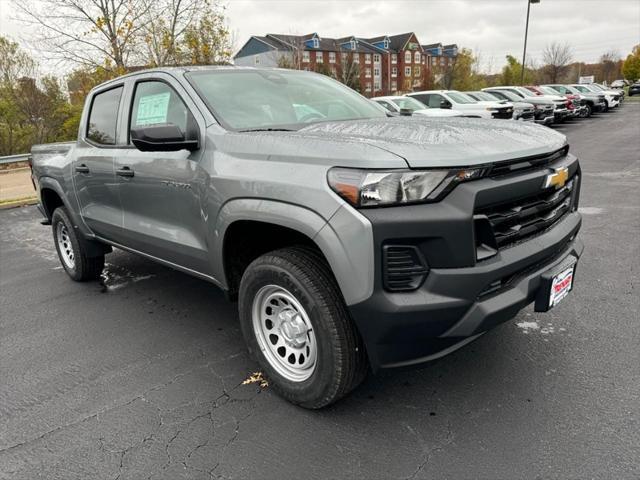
(153, 109)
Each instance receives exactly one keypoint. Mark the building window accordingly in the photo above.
(353, 45)
(417, 71)
(319, 58)
(344, 56)
(367, 73)
(306, 57)
(394, 86)
(256, 60)
(433, 60)
(386, 44)
(356, 58)
(394, 71)
(376, 85)
(376, 58)
(367, 58)
(407, 57)
(332, 57)
(368, 87)
(394, 58)
(442, 60)
(376, 71)
(407, 71)
(316, 43)
(418, 58)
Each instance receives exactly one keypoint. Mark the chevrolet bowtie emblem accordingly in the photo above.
(558, 178)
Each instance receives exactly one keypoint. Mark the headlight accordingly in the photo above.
(376, 188)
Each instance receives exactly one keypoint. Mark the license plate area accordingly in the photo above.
(556, 284)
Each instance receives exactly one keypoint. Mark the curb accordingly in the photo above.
(22, 202)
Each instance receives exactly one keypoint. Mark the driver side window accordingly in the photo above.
(156, 102)
(434, 100)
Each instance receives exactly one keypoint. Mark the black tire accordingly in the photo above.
(606, 106)
(341, 362)
(587, 111)
(84, 268)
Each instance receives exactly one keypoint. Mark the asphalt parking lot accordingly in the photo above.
(140, 376)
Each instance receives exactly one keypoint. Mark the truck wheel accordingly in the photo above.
(586, 113)
(70, 250)
(298, 329)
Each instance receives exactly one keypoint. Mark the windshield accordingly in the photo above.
(592, 88)
(410, 103)
(510, 95)
(459, 97)
(548, 90)
(277, 99)
(484, 96)
(526, 92)
(582, 89)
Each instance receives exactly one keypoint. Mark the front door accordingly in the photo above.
(93, 167)
(162, 193)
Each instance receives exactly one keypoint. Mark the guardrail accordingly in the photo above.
(23, 157)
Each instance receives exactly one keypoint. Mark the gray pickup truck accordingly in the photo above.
(352, 241)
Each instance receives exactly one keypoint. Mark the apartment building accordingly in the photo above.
(387, 64)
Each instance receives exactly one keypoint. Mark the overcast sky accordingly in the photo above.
(492, 27)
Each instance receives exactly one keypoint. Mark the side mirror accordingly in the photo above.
(164, 137)
(406, 112)
(445, 104)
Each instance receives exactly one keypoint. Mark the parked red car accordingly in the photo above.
(574, 104)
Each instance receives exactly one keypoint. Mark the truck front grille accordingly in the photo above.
(517, 220)
(404, 267)
(503, 112)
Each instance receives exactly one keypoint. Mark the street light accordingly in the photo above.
(526, 31)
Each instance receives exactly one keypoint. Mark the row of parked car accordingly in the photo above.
(545, 104)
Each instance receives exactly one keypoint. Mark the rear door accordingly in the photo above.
(93, 167)
(162, 192)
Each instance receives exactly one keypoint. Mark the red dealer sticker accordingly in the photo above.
(561, 286)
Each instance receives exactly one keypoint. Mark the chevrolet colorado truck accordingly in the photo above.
(351, 240)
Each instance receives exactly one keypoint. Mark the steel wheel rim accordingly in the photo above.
(65, 247)
(284, 333)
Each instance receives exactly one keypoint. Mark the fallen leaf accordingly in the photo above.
(256, 377)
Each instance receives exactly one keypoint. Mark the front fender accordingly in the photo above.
(345, 240)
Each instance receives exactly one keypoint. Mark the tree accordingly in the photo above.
(556, 57)
(610, 66)
(463, 73)
(350, 71)
(512, 72)
(186, 32)
(117, 35)
(631, 66)
(88, 32)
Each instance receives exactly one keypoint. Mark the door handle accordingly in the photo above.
(125, 172)
(82, 168)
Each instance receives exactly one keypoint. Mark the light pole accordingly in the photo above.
(526, 31)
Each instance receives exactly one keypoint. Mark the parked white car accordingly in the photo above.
(452, 99)
(522, 111)
(395, 104)
(611, 97)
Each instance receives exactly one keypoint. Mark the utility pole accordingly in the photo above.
(526, 31)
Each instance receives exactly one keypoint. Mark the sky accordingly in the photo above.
(492, 28)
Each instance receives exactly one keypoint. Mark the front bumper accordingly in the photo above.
(454, 304)
(548, 120)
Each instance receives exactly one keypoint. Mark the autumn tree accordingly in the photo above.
(631, 65)
(462, 73)
(556, 56)
(512, 72)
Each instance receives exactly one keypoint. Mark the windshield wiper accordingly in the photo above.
(268, 130)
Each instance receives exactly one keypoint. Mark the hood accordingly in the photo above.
(441, 142)
(487, 103)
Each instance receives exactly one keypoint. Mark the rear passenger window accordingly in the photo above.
(103, 117)
(156, 102)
